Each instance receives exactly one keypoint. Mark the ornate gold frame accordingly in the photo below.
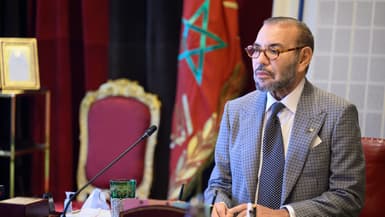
(127, 88)
(19, 67)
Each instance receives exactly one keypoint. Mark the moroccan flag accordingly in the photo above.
(210, 71)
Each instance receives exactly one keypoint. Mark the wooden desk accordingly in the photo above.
(152, 207)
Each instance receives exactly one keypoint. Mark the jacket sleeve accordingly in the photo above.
(220, 179)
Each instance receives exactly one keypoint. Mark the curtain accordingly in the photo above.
(144, 47)
(72, 40)
(13, 18)
(72, 37)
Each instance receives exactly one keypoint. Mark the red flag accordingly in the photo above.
(210, 71)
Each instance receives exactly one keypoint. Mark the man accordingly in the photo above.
(322, 169)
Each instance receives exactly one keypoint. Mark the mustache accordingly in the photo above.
(262, 68)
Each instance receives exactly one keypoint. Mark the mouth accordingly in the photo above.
(262, 74)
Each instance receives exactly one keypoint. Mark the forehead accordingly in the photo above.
(284, 34)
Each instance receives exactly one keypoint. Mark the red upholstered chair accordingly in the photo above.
(112, 118)
(374, 150)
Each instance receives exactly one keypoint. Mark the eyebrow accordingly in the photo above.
(271, 45)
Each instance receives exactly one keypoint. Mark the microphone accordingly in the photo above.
(146, 134)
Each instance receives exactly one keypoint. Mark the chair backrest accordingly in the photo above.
(374, 149)
(111, 119)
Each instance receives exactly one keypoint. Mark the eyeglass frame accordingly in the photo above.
(278, 51)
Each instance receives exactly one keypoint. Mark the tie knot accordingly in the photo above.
(275, 108)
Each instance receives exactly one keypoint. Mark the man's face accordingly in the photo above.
(279, 76)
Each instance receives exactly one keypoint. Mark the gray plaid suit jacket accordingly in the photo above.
(324, 180)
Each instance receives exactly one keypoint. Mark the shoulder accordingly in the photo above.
(322, 100)
(247, 105)
(250, 98)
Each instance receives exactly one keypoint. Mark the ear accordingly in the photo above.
(304, 58)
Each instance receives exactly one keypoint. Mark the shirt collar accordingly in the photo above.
(290, 101)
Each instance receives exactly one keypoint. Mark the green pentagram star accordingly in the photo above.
(190, 25)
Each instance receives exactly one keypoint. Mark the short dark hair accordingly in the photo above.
(305, 37)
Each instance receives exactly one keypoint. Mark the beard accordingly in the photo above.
(287, 78)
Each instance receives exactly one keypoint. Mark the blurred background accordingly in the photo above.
(84, 43)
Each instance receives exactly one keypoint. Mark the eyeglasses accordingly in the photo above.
(254, 51)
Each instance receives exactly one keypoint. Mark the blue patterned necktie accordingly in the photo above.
(270, 182)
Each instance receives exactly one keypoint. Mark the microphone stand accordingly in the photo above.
(146, 134)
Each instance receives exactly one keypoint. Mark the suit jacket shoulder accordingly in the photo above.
(318, 99)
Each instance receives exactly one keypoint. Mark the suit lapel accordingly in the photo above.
(307, 123)
(253, 119)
